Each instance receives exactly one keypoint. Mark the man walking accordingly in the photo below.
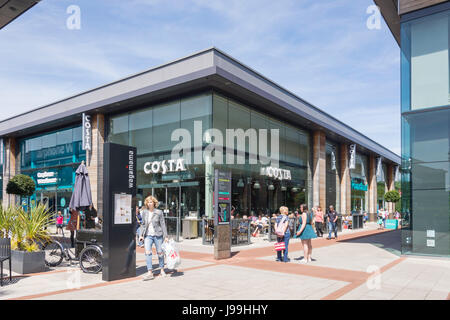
(332, 218)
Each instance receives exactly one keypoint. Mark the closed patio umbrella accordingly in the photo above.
(81, 196)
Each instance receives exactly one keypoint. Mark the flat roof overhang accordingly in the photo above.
(11, 9)
(389, 11)
(208, 69)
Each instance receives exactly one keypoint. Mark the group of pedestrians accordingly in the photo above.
(305, 232)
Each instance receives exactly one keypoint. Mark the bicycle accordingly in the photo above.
(90, 259)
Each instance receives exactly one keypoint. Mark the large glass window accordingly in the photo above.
(425, 62)
(254, 193)
(52, 149)
(426, 183)
(359, 184)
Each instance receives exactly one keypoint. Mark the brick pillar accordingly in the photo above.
(319, 169)
(345, 180)
(95, 162)
(9, 169)
(372, 188)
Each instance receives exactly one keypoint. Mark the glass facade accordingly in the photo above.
(425, 135)
(150, 131)
(51, 160)
(359, 184)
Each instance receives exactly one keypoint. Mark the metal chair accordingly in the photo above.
(5, 254)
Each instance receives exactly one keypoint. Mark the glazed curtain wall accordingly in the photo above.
(426, 183)
(51, 159)
(254, 193)
(425, 88)
(149, 130)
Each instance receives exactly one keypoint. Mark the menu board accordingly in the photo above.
(122, 208)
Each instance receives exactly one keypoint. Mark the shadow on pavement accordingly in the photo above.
(389, 241)
(14, 280)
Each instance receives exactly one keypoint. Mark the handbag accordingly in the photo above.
(279, 246)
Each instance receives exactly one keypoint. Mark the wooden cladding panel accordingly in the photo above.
(406, 6)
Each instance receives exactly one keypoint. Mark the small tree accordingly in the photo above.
(392, 196)
(21, 185)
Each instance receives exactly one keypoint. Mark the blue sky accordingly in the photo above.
(320, 50)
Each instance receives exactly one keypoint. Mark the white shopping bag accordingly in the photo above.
(173, 259)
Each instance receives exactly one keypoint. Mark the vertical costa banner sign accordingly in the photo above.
(352, 162)
(87, 132)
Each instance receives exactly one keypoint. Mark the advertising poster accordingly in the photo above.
(122, 208)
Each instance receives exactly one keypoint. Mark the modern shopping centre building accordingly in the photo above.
(324, 161)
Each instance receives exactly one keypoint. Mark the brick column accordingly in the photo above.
(9, 169)
(94, 162)
(345, 181)
(372, 189)
(319, 169)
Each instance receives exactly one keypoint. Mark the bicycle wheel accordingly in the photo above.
(91, 259)
(53, 253)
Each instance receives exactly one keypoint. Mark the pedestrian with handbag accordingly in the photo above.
(306, 233)
(283, 234)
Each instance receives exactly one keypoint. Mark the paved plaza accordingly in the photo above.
(361, 265)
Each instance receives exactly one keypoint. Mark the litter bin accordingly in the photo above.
(190, 228)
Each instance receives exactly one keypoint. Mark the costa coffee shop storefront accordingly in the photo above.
(187, 118)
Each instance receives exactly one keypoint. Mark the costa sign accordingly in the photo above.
(276, 173)
(165, 166)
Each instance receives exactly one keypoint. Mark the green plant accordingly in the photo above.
(392, 196)
(21, 185)
(30, 228)
(7, 220)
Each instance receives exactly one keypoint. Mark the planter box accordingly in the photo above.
(27, 262)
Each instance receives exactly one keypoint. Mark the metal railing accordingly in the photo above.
(240, 232)
(207, 231)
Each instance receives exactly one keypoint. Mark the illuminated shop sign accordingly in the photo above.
(359, 186)
(172, 165)
(48, 177)
(276, 173)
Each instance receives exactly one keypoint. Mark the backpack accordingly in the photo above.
(279, 231)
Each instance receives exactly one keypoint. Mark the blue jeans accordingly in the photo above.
(332, 227)
(148, 243)
(286, 239)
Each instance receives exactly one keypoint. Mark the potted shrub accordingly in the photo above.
(392, 196)
(21, 185)
(28, 232)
